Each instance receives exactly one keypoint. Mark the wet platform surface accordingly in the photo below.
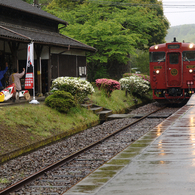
(161, 162)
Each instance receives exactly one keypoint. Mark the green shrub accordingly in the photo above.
(101, 72)
(61, 101)
(77, 87)
(135, 84)
(127, 75)
(108, 85)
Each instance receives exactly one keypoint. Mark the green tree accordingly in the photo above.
(65, 4)
(114, 27)
(141, 61)
(40, 2)
(28, 1)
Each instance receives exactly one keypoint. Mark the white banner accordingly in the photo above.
(29, 80)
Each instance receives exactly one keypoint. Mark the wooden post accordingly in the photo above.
(14, 50)
(58, 65)
(77, 68)
(49, 70)
(38, 50)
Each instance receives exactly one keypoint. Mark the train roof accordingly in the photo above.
(172, 46)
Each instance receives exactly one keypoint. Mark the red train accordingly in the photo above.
(172, 71)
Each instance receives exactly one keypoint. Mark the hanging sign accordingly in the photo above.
(29, 79)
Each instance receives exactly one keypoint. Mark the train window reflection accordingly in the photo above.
(189, 56)
(173, 58)
(157, 56)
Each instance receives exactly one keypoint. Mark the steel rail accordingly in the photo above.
(36, 175)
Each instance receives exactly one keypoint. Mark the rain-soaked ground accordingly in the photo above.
(161, 162)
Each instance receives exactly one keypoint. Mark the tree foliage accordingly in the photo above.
(114, 27)
(28, 1)
(141, 61)
(40, 2)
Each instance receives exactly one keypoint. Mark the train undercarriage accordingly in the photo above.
(172, 95)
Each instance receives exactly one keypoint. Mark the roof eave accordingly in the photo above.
(60, 21)
(48, 43)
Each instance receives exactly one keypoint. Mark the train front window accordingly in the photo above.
(173, 58)
(189, 56)
(157, 56)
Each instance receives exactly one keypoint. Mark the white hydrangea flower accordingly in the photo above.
(75, 86)
(134, 84)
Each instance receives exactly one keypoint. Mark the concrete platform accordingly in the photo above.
(161, 162)
(191, 101)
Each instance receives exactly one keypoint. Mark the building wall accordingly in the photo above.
(4, 46)
(68, 65)
(64, 62)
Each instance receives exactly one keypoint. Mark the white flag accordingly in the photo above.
(29, 80)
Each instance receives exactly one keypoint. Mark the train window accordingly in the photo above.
(173, 58)
(157, 56)
(189, 56)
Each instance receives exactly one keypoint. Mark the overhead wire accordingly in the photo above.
(167, 5)
(139, 4)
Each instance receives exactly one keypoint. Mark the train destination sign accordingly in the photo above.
(174, 46)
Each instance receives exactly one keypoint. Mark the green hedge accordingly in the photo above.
(61, 101)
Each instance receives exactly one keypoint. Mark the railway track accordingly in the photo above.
(58, 177)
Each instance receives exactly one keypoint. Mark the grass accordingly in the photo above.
(118, 100)
(4, 180)
(42, 120)
(25, 124)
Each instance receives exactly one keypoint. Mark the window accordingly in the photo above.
(157, 56)
(173, 58)
(189, 56)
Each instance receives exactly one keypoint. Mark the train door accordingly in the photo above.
(174, 69)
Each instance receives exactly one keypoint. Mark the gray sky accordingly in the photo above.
(179, 12)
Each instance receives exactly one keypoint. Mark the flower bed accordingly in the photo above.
(77, 87)
(108, 85)
(135, 84)
(145, 77)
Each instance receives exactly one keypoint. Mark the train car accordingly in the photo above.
(172, 71)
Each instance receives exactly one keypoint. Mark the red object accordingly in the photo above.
(29, 81)
(172, 69)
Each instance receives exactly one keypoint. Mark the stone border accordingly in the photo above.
(32, 147)
(36, 145)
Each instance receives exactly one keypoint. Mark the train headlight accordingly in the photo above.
(157, 71)
(156, 47)
(190, 71)
(191, 45)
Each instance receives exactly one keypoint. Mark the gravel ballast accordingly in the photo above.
(21, 167)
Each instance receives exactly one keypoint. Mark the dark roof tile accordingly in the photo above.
(25, 7)
(40, 36)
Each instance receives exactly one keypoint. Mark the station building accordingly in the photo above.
(55, 55)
